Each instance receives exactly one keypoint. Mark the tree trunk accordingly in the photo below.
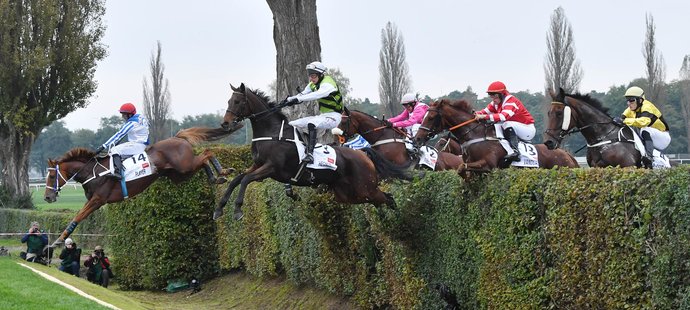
(296, 36)
(14, 154)
(685, 109)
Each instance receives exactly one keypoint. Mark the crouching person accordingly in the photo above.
(98, 267)
(70, 257)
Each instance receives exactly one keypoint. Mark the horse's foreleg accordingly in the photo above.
(219, 169)
(228, 192)
(212, 177)
(256, 175)
(86, 210)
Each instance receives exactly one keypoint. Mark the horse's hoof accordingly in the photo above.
(217, 214)
(238, 215)
(227, 171)
(221, 180)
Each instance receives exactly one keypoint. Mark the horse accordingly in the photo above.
(449, 144)
(276, 156)
(389, 141)
(172, 158)
(607, 143)
(482, 150)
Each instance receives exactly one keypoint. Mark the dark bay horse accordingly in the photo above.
(607, 144)
(173, 158)
(482, 151)
(388, 141)
(275, 156)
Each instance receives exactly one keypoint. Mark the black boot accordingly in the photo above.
(117, 167)
(648, 157)
(512, 138)
(311, 142)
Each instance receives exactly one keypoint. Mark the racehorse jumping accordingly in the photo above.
(388, 141)
(607, 143)
(482, 150)
(173, 158)
(275, 152)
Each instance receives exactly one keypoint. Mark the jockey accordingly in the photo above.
(643, 114)
(510, 116)
(412, 116)
(136, 128)
(322, 88)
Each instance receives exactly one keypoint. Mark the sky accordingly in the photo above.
(450, 45)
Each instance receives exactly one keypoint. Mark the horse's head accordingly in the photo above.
(238, 109)
(348, 126)
(62, 170)
(431, 124)
(571, 112)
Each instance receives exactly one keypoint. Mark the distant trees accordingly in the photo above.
(685, 96)
(48, 55)
(561, 67)
(157, 98)
(296, 37)
(654, 63)
(394, 79)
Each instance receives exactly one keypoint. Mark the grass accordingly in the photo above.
(70, 198)
(21, 288)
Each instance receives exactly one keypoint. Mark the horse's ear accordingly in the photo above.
(233, 87)
(551, 93)
(242, 88)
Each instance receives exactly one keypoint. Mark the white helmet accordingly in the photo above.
(634, 92)
(316, 67)
(68, 241)
(407, 98)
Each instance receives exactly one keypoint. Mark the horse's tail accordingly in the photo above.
(195, 135)
(386, 168)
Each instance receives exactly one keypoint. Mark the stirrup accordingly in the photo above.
(647, 162)
(514, 157)
(308, 158)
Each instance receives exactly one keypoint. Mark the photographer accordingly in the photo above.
(35, 240)
(70, 257)
(99, 267)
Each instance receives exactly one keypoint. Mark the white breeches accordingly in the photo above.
(661, 139)
(128, 148)
(325, 121)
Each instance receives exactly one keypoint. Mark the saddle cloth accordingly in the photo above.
(135, 167)
(660, 160)
(529, 157)
(324, 155)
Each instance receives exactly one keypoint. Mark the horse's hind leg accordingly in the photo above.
(228, 192)
(212, 177)
(219, 169)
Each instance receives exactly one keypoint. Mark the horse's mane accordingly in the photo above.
(595, 103)
(367, 115)
(461, 104)
(262, 96)
(76, 154)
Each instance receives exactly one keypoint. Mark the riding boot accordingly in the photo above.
(117, 167)
(309, 157)
(648, 157)
(512, 138)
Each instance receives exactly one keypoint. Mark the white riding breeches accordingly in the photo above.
(661, 139)
(128, 148)
(325, 121)
(524, 131)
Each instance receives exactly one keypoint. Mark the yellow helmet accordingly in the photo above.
(634, 92)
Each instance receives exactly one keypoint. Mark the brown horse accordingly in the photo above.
(275, 156)
(482, 150)
(173, 158)
(388, 141)
(449, 144)
(607, 143)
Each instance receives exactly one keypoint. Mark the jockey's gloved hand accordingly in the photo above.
(99, 149)
(618, 121)
(388, 124)
(292, 101)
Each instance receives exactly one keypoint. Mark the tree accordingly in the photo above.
(561, 68)
(296, 37)
(54, 141)
(654, 63)
(394, 79)
(685, 99)
(157, 98)
(48, 55)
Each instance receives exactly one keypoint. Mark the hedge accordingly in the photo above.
(512, 239)
(18, 221)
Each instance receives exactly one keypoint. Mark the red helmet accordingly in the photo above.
(497, 87)
(128, 108)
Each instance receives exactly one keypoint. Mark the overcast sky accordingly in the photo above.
(450, 45)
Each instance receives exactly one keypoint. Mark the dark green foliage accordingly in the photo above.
(164, 234)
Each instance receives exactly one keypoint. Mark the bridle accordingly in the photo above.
(566, 129)
(253, 116)
(58, 173)
(438, 119)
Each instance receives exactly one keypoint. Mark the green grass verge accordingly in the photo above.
(22, 288)
(70, 198)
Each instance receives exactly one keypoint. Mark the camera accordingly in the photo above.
(35, 230)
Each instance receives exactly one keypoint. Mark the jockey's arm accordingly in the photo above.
(307, 95)
(643, 121)
(505, 114)
(119, 134)
(402, 116)
(416, 118)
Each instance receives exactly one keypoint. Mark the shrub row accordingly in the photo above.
(18, 221)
